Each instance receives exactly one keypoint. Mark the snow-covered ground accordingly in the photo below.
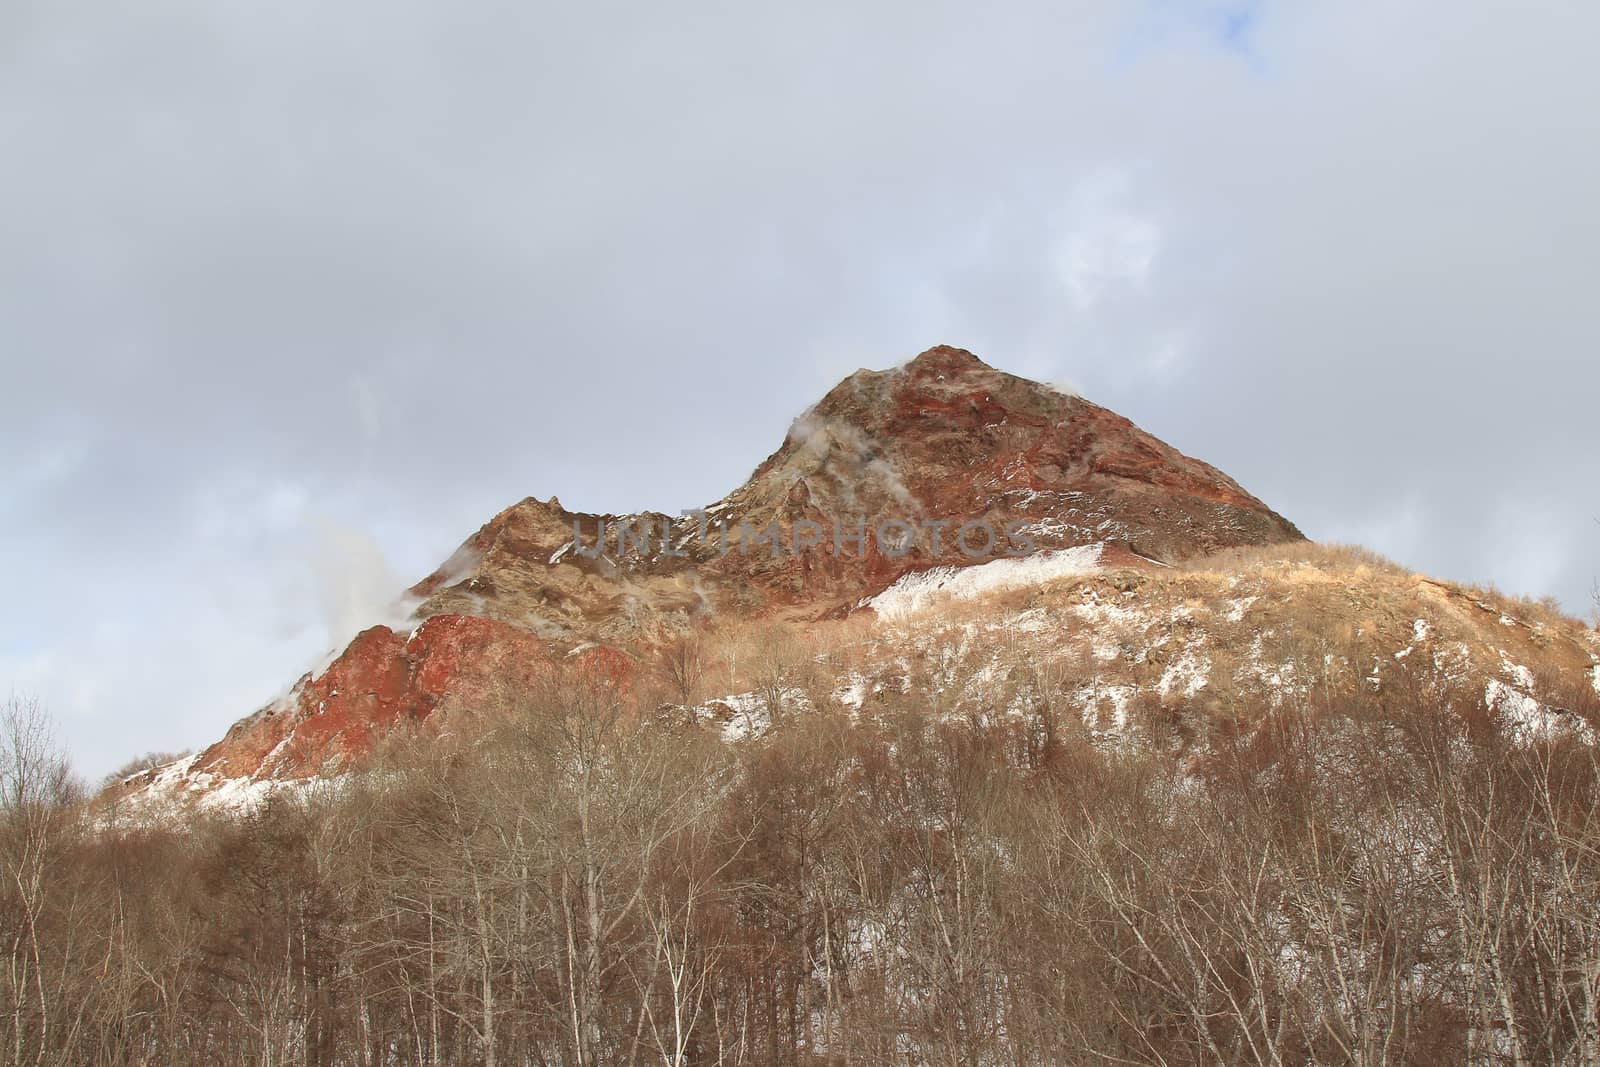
(179, 785)
(921, 589)
(1092, 642)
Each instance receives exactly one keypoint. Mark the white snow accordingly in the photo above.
(169, 777)
(1187, 674)
(239, 794)
(854, 692)
(1594, 677)
(179, 784)
(1116, 699)
(920, 589)
(1105, 650)
(1453, 664)
(744, 716)
(1049, 527)
(1515, 671)
(272, 757)
(562, 551)
(1095, 610)
(1526, 719)
(1024, 497)
(1420, 632)
(1032, 621)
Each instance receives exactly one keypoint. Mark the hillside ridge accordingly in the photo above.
(939, 466)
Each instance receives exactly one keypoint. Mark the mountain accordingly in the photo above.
(944, 438)
(1080, 543)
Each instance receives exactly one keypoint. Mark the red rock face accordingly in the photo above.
(386, 682)
(944, 439)
(948, 438)
(382, 682)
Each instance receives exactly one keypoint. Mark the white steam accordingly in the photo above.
(355, 588)
(816, 441)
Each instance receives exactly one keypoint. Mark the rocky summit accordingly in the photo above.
(942, 441)
(939, 478)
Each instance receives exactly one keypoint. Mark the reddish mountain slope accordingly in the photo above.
(940, 442)
(944, 439)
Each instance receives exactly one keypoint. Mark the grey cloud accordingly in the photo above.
(409, 262)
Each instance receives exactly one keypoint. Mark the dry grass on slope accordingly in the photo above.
(1362, 564)
(1223, 640)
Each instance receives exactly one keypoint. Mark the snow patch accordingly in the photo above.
(745, 716)
(1032, 621)
(1237, 607)
(1526, 719)
(853, 693)
(1051, 527)
(1453, 664)
(1105, 649)
(179, 784)
(1096, 611)
(1186, 675)
(1114, 700)
(1519, 674)
(913, 592)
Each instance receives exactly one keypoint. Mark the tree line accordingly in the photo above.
(589, 875)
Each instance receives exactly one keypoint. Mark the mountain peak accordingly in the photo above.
(938, 465)
(939, 442)
(946, 359)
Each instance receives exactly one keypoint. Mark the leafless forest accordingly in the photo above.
(589, 876)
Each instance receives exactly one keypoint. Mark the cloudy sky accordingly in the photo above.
(294, 296)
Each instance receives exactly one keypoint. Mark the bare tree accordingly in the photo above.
(682, 663)
(37, 819)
